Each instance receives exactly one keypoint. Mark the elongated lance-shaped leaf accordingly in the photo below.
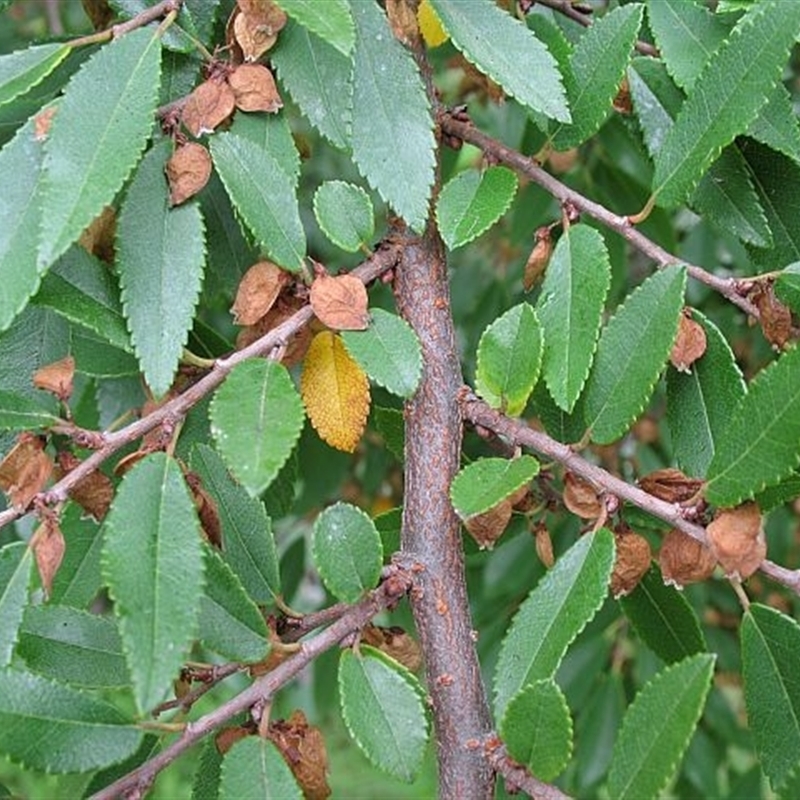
(344, 212)
(391, 138)
(631, 354)
(331, 21)
(700, 403)
(484, 483)
(24, 69)
(770, 642)
(153, 563)
(21, 413)
(255, 768)
(646, 755)
(762, 442)
(510, 359)
(510, 56)
(319, 79)
(552, 615)
(598, 66)
(97, 136)
(264, 197)
(160, 259)
(726, 97)
(256, 418)
(205, 785)
(570, 309)
(388, 351)
(472, 201)
(272, 134)
(15, 575)
(383, 708)
(52, 728)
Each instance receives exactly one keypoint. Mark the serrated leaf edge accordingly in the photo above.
(464, 470)
(324, 228)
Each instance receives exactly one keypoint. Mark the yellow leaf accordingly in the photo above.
(335, 391)
(429, 25)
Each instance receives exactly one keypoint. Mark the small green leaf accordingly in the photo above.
(726, 97)
(256, 418)
(484, 483)
(472, 201)
(663, 618)
(787, 287)
(776, 124)
(537, 729)
(631, 354)
(78, 580)
(760, 445)
(552, 615)
(53, 728)
(388, 351)
(160, 259)
(770, 642)
(347, 551)
(248, 544)
(254, 768)
(392, 427)
(382, 707)
(700, 403)
(153, 562)
(15, 575)
(24, 69)
(511, 63)
(598, 66)
(570, 309)
(205, 785)
(72, 646)
(344, 212)
(331, 21)
(230, 622)
(509, 359)
(319, 79)
(20, 413)
(264, 197)
(646, 755)
(393, 144)
(98, 134)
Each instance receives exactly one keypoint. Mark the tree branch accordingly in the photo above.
(263, 689)
(518, 432)
(145, 17)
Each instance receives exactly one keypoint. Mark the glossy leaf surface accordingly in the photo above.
(484, 483)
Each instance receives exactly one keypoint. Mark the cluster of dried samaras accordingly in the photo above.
(237, 83)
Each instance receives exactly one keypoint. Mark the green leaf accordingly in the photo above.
(264, 197)
(160, 259)
(598, 66)
(781, 493)
(770, 642)
(787, 287)
(20, 413)
(344, 212)
(347, 551)
(484, 483)
(472, 201)
(194, 23)
(53, 728)
(509, 359)
(776, 124)
(272, 134)
(663, 618)
(72, 646)
(97, 136)
(388, 351)
(631, 354)
(700, 403)
(248, 544)
(510, 56)
(230, 622)
(153, 563)
(760, 445)
(331, 21)
(205, 785)
(646, 753)
(96, 357)
(393, 143)
(537, 729)
(392, 427)
(382, 707)
(82, 289)
(15, 575)
(256, 418)
(552, 615)
(78, 580)
(254, 768)
(570, 309)
(319, 79)
(725, 98)
(24, 69)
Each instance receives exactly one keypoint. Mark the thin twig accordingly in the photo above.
(528, 167)
(147, 16)
(185, 702)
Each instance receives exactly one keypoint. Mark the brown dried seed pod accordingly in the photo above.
(56, 378)
(684, 560)
(631, 563)
(207, 511)
(99, 236)
(622, 101)
(670, 485)
(93, 493)
(539, 258)
(690, 342)
(253, 38)
(258, 290)
(340, 302)
(25, 470)
(775, 318)
(188, 171)
(228, 737)
(210, 104)
(581, 498)
(561, 162)
(544, 545)
(303, 749)
(736, 537)
(298, 343)
(488, 527)
(395, 642)
(254, 89)
(48, 547)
